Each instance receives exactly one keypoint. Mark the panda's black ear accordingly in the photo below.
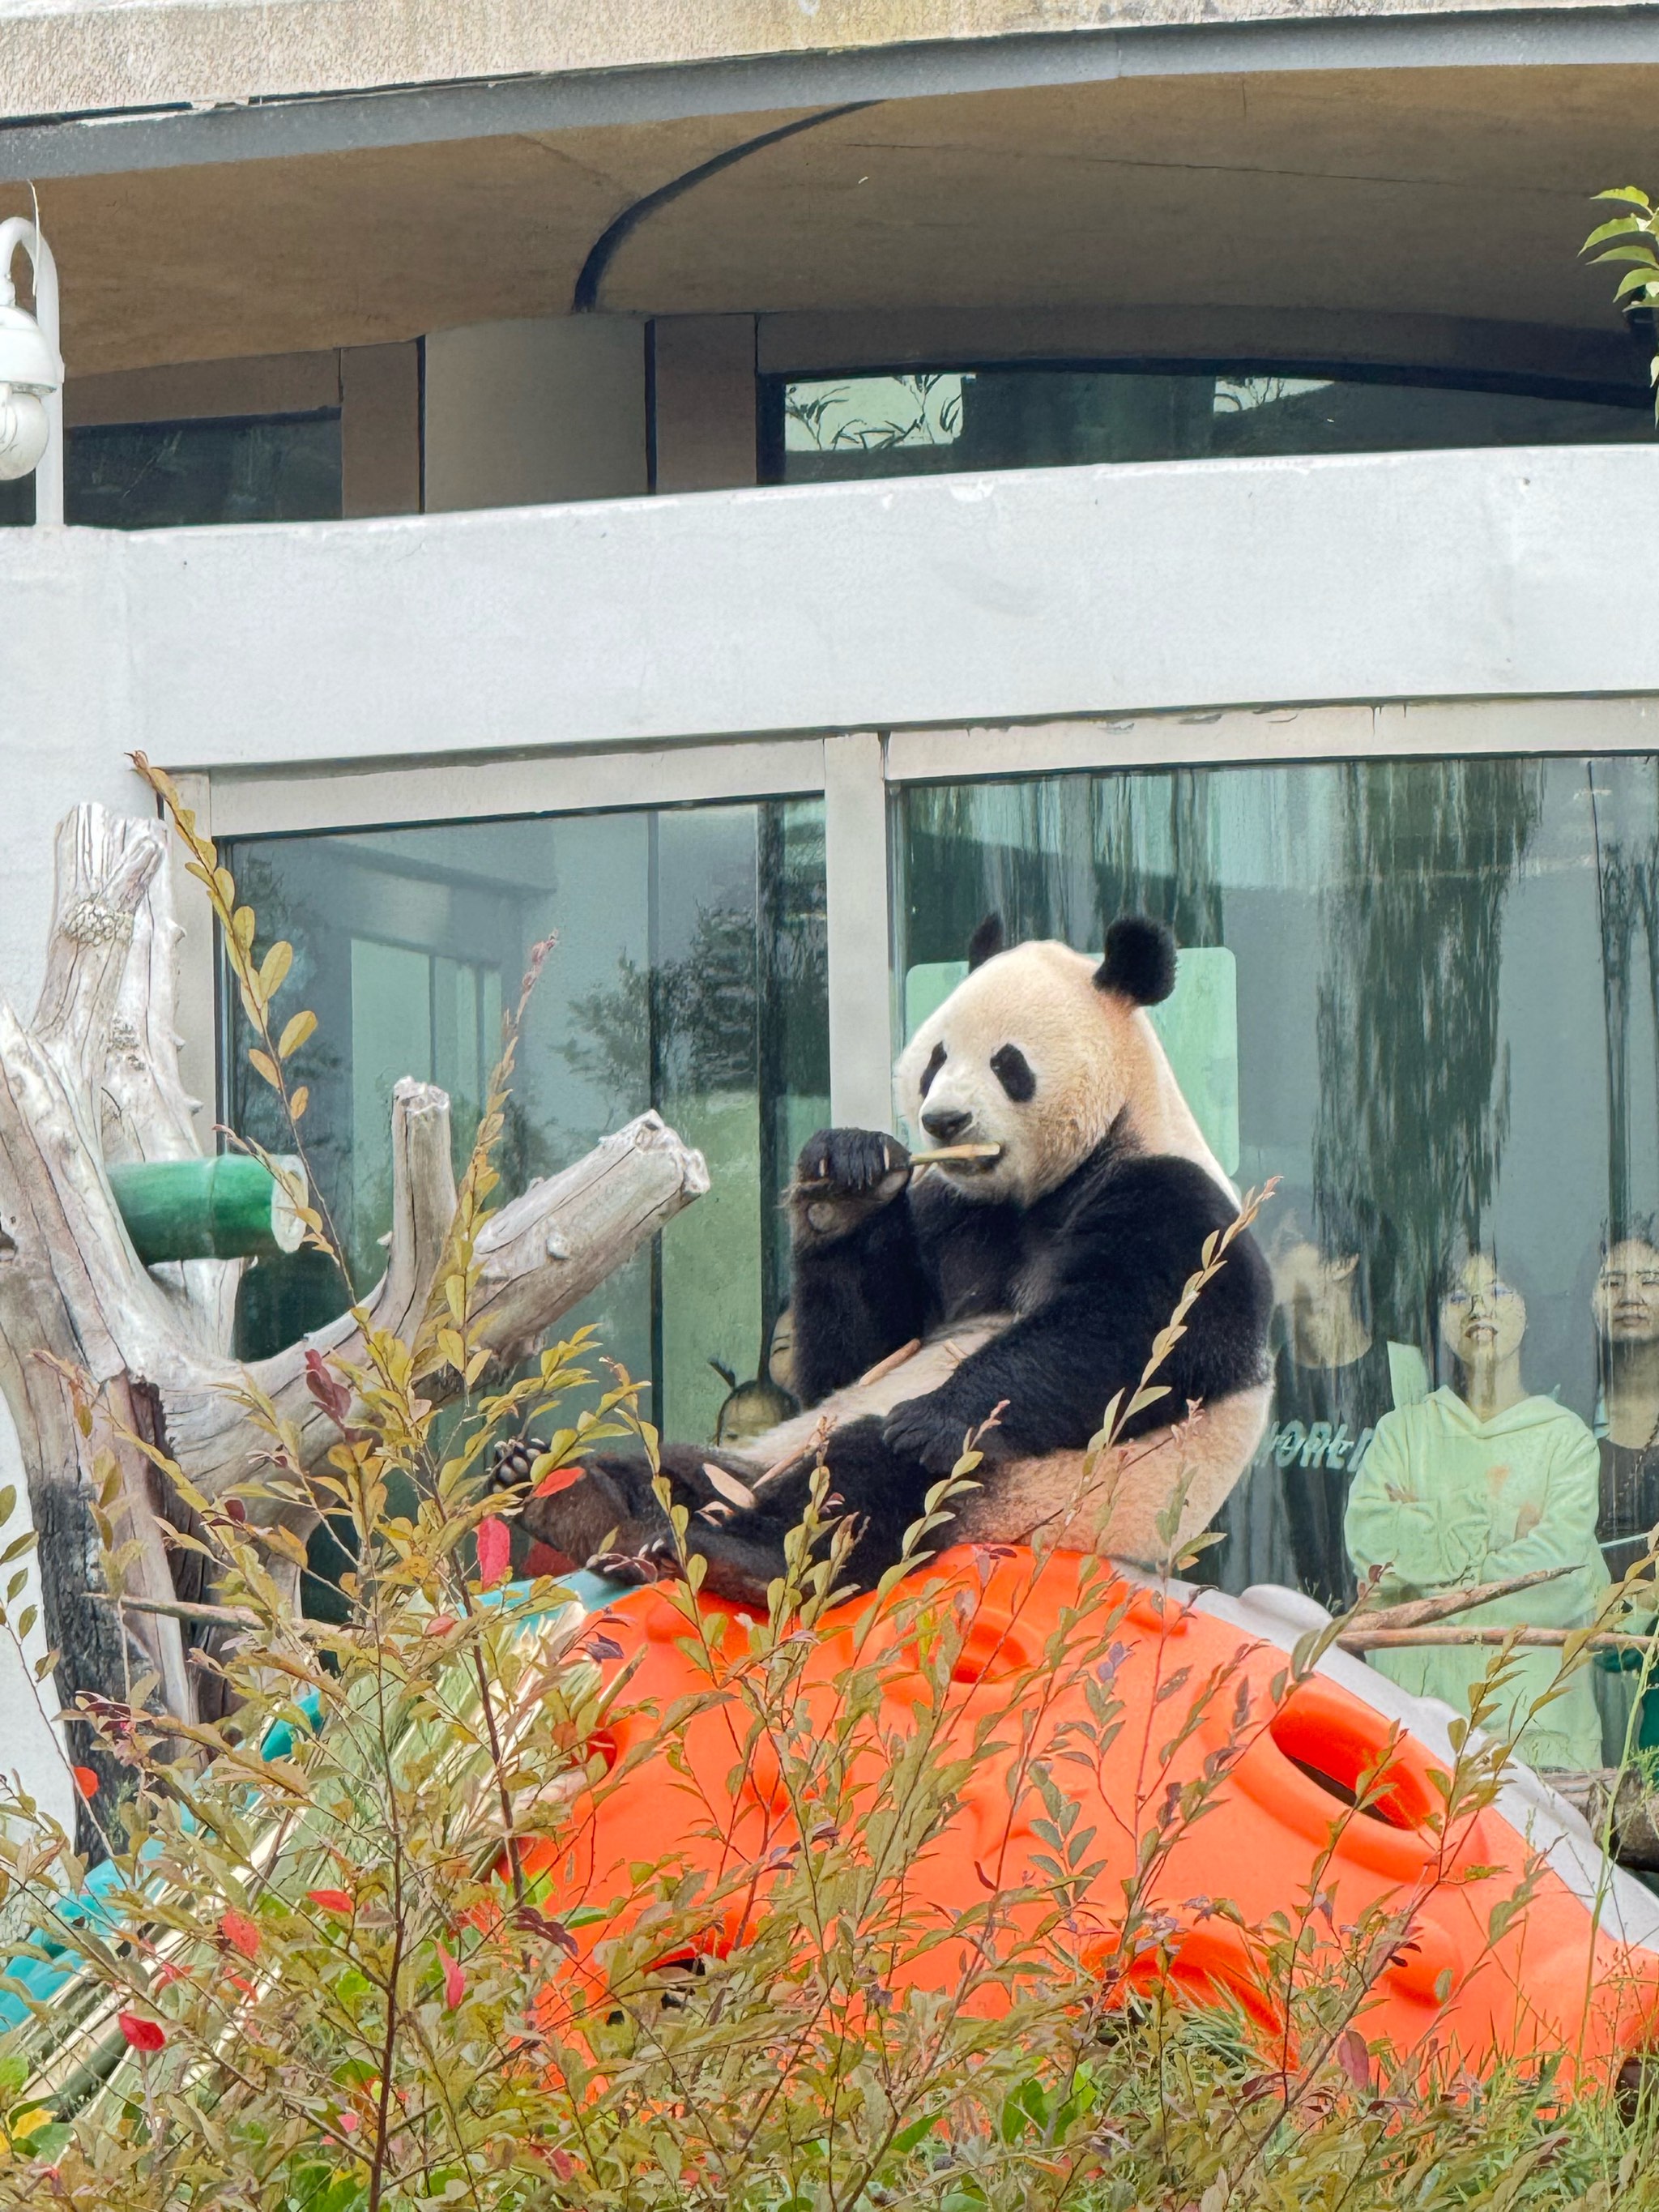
(1141, 961)
(985, 942)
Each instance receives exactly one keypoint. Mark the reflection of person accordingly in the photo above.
(1476, 1485)
(1334, 1377)
(1624, 1306)
(750, 1409)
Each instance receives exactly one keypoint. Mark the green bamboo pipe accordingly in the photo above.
(228, 1207)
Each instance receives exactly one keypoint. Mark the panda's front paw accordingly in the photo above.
(928, 1430)
(844, 1175)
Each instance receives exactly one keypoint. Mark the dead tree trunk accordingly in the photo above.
(94, 1080)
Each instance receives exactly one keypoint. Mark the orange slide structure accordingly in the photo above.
(1201, 1691)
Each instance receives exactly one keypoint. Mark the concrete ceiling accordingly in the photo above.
(1446, 192)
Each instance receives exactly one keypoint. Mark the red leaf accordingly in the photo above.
(555, 1930)
(454, 1979)
(326, 1388)
(347, 2124)
(439, 1625)
(558, 1478)
(141, 2034)
(86, 1781)
(561, 2163)
(1354, 2059)
(236, 1927)
(494, 1549)
(235, 1510)
(331, 1900)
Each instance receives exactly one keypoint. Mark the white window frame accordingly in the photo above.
(858, 773)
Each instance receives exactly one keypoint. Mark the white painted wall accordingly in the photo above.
(1043, 592)
(519, 414)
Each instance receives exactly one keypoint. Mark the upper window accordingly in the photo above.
(820, 428)
(149, 475)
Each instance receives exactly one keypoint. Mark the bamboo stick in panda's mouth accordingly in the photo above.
(941, 1155)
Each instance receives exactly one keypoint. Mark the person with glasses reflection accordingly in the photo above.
(1484, 1481)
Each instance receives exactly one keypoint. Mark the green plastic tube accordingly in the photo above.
(229, 1208)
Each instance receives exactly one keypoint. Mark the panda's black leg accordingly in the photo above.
(882, 1492)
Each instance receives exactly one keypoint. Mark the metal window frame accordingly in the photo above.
(859, 773)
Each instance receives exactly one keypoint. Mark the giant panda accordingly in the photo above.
(1028, 1287)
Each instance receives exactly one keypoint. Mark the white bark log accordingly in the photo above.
(95, 1078)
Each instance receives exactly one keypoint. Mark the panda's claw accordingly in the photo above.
(853, 1163)
(925, 1430)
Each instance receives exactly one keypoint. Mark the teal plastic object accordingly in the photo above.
(228, 1207)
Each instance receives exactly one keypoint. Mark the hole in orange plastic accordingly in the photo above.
(1330, 1741)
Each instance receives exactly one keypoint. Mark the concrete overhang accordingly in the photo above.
(358, 171)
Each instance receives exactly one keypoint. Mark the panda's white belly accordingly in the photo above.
(928, 1367)
(1118, 1503)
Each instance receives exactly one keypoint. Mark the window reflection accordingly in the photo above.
(935, 421)
(1485, 1481)
(152, 476)
(688, 974)
(1445, 985)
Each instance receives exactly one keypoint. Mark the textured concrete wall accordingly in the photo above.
(971, 600)
(58, 55)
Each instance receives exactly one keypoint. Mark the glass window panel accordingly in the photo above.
(151, 476)
(1447, 992)
(822, 430)
(688, 973)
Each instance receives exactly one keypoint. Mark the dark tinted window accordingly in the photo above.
(147, 476)
(819, 428)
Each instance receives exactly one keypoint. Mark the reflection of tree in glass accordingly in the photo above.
(1627, 886)
(928, 412)
(692, 1021)
(1140, 819)
(1413, 1098)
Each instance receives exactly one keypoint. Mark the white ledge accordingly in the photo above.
(1017, 596)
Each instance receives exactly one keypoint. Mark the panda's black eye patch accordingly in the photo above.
(931, 1069)
(1013, 1071)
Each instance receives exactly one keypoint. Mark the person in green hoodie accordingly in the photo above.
(1475, 1485)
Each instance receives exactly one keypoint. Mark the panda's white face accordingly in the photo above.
(1027, 1053)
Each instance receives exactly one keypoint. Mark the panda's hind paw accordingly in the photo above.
(655, 1564)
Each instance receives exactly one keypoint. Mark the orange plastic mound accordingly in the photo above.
(1574, 1974)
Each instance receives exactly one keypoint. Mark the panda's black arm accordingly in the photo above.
(1120, 1260)
(854, 1299)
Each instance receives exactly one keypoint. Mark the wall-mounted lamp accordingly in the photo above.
(31, 373)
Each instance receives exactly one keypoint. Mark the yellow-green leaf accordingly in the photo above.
(279, 958)
(262, 1064)
(297, 1029)
(298, 1103)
